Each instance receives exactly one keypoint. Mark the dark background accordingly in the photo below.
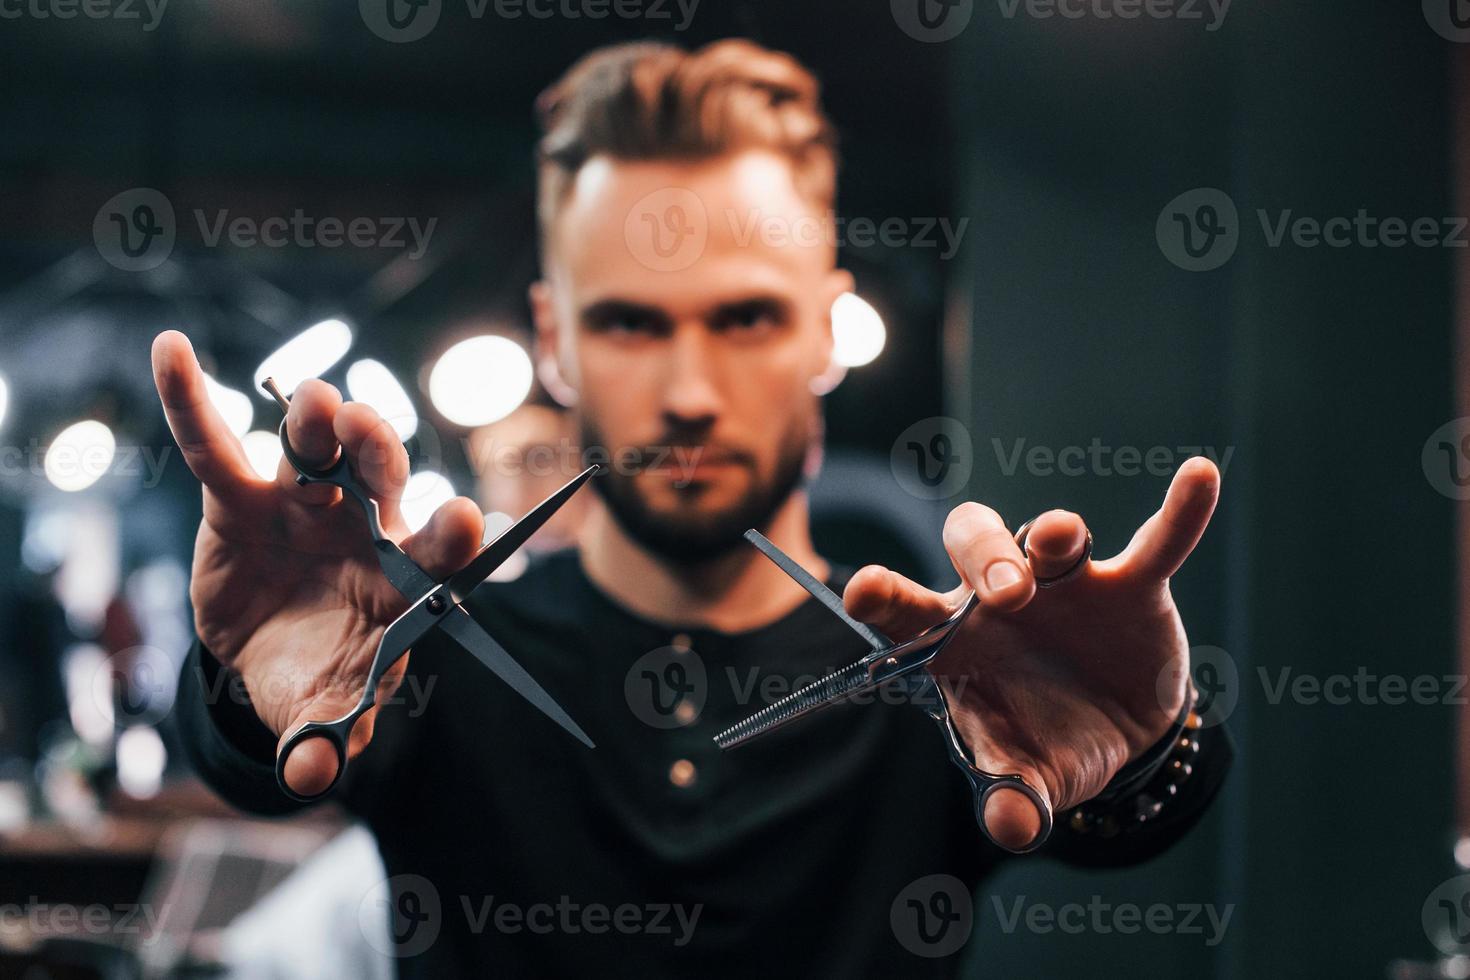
(1322, 370)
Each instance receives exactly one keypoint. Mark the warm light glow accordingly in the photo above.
(425, 493)
(141, 758)
(858, 333)
(307, 355)
(79, 456)
(263, 450)
(480, 380)
(371, 382)
(233, 406)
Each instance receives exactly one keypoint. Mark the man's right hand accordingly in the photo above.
(286, 586)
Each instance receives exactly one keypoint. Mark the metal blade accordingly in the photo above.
(494, 554)
(482, 646)
(831, 689)
(820, 592)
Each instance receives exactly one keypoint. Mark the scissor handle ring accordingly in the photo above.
(335, 732)
(1024, 532)
(984, 784)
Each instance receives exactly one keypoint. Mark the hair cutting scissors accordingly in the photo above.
(431, 604)
(892, 663)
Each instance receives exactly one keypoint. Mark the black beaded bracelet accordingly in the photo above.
(1139, 791)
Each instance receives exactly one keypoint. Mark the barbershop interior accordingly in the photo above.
(1087, 243)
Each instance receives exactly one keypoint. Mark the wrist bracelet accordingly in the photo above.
(1140, 790)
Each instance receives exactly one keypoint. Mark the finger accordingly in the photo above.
(987, 557)
(450, 539)
(309, 427)
(892, 603)
(210, 449)
(1055, 543)
(377, 456)
(1011, 819)
(1166, 539)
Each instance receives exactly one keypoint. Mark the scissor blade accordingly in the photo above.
(850, 680)
(818, 591)
(494, 554)
(460, 625)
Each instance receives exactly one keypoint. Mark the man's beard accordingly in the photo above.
(694, 539)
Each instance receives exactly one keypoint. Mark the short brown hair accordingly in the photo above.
(650, 101)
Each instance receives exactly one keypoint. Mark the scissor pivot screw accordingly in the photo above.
(436, 604)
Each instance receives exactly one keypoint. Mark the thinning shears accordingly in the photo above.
(432, 603)
(889, 663)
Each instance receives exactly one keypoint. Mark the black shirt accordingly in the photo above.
(513, 850)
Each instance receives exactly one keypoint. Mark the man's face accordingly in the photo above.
(697, 362)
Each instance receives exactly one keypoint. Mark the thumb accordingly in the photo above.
(894, 604)
(311, 768)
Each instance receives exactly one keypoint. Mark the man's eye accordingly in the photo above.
(628, 324)
(749, 320)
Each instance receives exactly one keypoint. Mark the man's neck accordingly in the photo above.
(738, 591)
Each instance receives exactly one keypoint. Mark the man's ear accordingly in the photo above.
(548, 345)
(836, 282)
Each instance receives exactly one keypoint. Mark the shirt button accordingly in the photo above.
(685, 712)
(681, 643)
(683, 774)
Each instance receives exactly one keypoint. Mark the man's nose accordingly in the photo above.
(690, 391)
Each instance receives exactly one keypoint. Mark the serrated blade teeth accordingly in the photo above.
(818, 694)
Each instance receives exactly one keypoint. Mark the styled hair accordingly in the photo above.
(653, 101)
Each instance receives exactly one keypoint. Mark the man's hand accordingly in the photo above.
(1060, 685)
(286, 587)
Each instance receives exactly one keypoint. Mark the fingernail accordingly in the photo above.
(1001, 575)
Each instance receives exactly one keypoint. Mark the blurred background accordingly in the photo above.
(1083, 238)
